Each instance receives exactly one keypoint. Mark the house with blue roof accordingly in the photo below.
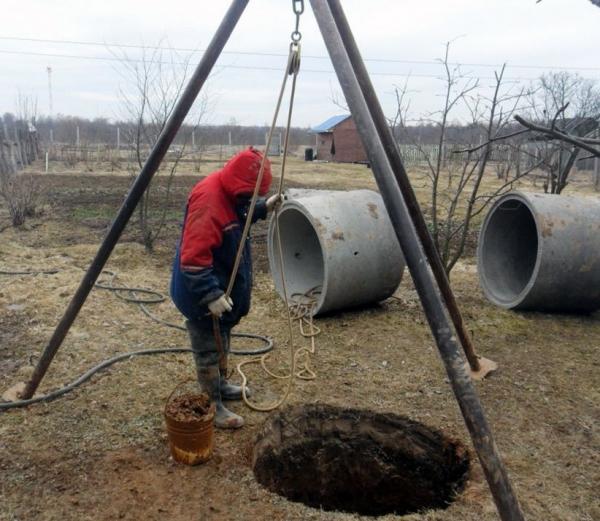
(337, 139)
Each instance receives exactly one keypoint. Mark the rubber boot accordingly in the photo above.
(230, 391)
(210, 381)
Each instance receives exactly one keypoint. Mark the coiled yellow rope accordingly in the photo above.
(299, 307)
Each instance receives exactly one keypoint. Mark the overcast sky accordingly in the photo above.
(531, 38)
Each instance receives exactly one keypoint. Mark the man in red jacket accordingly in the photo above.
(214, 220)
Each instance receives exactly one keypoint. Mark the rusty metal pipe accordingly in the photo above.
(393, 154)
(462, 385)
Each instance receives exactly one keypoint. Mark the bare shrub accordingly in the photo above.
(22, 195)
(115, 164)
(70, 157)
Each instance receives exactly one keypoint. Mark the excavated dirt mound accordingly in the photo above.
(358, 461)
(188, 407)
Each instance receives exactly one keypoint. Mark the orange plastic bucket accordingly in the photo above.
(191, 440)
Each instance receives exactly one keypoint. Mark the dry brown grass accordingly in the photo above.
(101, 452)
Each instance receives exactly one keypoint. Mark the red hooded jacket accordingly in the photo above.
(211, 234)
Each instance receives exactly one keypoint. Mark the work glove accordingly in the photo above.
(273, 202)
(221, 305)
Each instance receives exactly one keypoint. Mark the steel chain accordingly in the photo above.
(298, 8)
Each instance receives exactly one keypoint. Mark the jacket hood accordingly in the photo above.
(239, 175)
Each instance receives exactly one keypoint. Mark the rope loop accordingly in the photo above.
(300, 308)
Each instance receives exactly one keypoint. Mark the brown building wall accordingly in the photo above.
(348, 146)
(324, 141)
(345, 141)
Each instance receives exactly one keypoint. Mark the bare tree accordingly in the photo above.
(567, 104)
(26, 108)
(22, 193)
(153, 84)
(455, 171)
(588, 144)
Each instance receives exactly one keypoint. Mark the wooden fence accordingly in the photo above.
(19, 146)
(101, 152)
(527, 155)
(415, 154)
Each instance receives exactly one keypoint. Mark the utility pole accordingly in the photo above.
(49, 70)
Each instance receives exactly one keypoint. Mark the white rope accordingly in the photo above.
(298, 309)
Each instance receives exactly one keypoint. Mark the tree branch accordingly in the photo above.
(492, 140)
(559, 135)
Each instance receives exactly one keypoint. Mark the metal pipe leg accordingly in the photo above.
(462, 385)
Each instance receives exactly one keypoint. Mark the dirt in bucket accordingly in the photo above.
(188, 407)
(358, 461)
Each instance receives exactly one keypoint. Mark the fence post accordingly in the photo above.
(597, 168)
(12, 165)
(20, 159)
(4, 164)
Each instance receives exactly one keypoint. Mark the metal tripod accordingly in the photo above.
(401, 205)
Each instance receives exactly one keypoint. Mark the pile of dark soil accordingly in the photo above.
(188, 407)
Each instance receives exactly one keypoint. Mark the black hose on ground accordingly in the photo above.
(86, 376)
(155, 297)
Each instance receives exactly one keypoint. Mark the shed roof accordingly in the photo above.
(330, 124)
